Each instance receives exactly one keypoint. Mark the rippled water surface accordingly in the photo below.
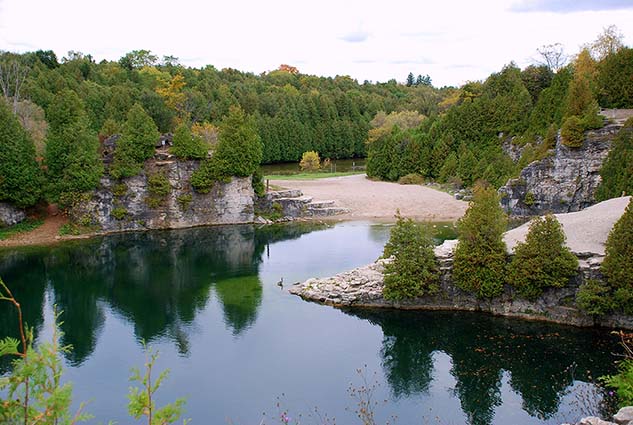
(237, 345)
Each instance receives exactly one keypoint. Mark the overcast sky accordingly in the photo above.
(451, 40)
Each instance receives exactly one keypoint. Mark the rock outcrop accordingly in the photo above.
(130, 205)
(10, 215)
(291, 204)
(565, 181)
(362, 287)
(623, 417)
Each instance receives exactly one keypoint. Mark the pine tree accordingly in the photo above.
(71, 156)
(618, 259)
(136, 144)
(480, 256)
(413, 271)
(20, 175)
(239, 148)
(186, 145)
(616, 172)
(542, 260)
(410, 79)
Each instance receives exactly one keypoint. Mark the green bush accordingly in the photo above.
(480, 256)
(158, 185)
(529, 199)
(258, 183)
(411, 179)
(623, 380)
(208, 173)
(310, 161)
(594, 297)
(543, 260)
(573, 132)
(184, 201)
(119, 213)
(186, 145)
(119, 189)
(414, 270)
(616, 266)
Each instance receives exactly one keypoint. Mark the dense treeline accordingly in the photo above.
(463, 143)
(66, 104)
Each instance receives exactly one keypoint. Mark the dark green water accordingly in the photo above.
(207, 300)
(338, 165)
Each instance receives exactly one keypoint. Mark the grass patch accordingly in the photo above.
(25, 226)
(311, 176)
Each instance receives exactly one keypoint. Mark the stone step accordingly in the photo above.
(292, 193)
(295, 199)
(327, 212)
(321, 204)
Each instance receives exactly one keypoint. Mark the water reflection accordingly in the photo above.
(543, 360)
(206, 297)
(158, 281)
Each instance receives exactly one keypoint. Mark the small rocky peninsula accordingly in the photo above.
(586, 232)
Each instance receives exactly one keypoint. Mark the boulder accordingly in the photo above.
(624, 416)
(10, 215)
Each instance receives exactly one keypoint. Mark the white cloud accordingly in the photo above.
(367, 40)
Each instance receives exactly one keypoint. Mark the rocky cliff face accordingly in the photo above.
(132, 204)
(565, 181)
(10, 215)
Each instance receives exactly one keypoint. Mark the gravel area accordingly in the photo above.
(586, 230)
(378, 200)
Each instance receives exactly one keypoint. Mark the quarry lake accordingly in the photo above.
(238, 345)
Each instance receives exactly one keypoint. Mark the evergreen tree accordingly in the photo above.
(616, 266)
(542, 260)
(413, 271)
(616, 171)
(137, 143)
(410, 79)
(480, 256)
(186, 145)
(20, 175)
(72, 150)
(239, 150)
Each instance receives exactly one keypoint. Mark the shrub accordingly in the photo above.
(623, 381)
(616, 266)
(119, 213)
(158, 185)
(411, 179)
(550, 137)
(209, 172)
(310, 161)
(413, 271)
(572, 132)
(119, 189)
(184, 201)
(258, 183)
(529, 199)
(542, 260)
(594, 297)
(480, 256)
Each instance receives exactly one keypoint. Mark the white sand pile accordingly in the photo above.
(586, 230)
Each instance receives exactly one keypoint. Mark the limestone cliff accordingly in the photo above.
(129, 204)
(564, 181)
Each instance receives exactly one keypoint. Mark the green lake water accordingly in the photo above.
(336, 165)
(236, 344)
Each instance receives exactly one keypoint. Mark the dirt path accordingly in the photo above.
(377, 200)
(46, 234)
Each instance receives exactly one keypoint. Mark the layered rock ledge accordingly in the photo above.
(363, 286)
